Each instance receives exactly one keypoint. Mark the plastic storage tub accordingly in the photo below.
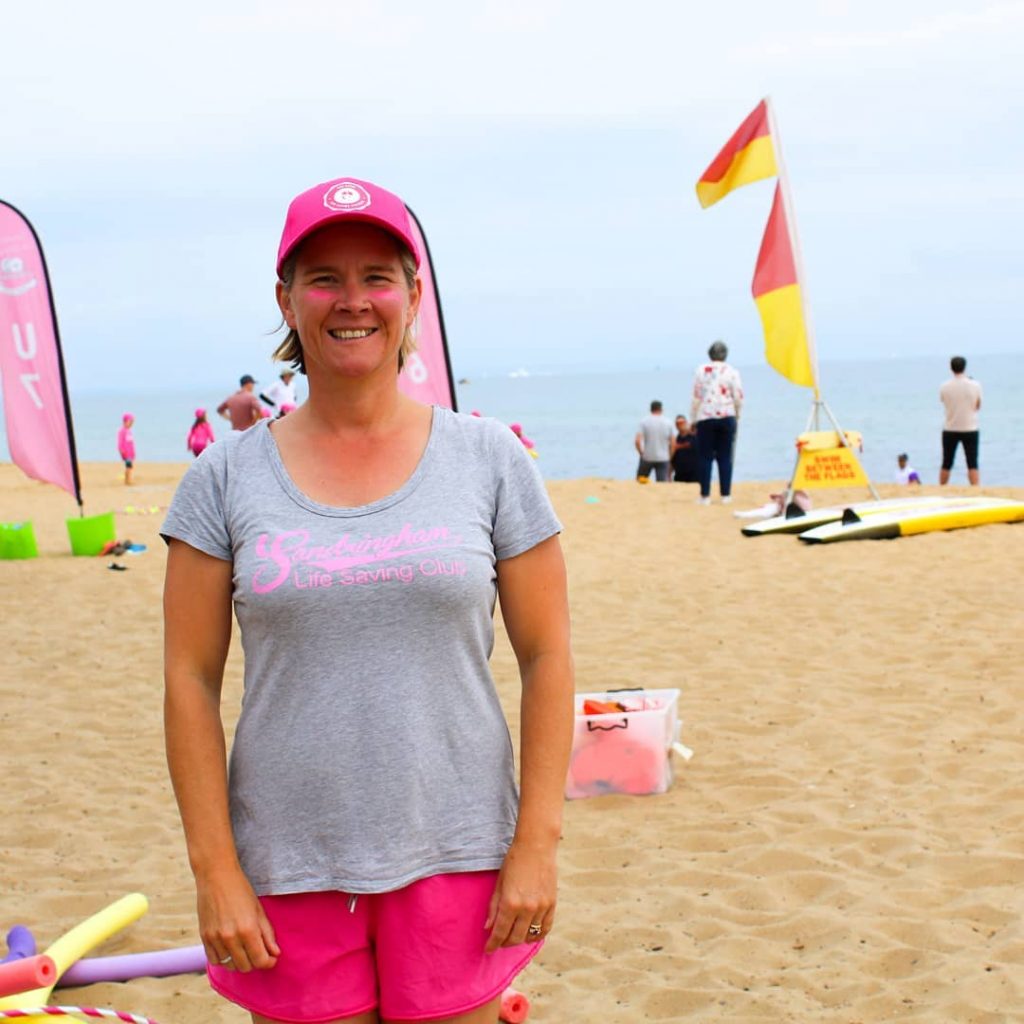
(623, 751)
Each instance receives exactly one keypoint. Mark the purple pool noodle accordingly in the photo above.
(92, 970)
(20, 944)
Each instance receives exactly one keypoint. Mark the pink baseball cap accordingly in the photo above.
(345, 199)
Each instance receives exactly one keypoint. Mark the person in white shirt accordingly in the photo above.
(961, 396)
(905, 473)
(717, 398)
(281, 392)
(654, 441)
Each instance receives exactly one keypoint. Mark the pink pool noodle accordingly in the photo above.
(91, 971)
(20, 943)
(514, 1007)
(26, 974)
(83, 1011)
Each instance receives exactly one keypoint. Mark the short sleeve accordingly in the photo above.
(523, 514)
(197, 514)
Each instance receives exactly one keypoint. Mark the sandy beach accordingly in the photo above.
(847, 843)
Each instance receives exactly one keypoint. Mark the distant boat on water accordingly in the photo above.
(520, 373)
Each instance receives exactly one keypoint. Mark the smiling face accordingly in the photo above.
(349, 301)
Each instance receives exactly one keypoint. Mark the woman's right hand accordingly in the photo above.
(235, 930)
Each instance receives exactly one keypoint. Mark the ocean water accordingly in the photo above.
(583, 424)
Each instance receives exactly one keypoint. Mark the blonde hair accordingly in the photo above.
(290, 350)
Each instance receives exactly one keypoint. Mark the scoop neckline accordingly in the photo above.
(302, 499)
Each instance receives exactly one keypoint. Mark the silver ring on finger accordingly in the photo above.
(534, 931)
(225, 959)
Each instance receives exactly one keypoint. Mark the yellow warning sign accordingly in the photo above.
(828, 467)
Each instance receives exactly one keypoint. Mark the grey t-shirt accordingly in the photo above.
(371, 749)
(657, 434)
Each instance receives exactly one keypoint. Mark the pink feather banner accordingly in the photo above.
(427, 374)
(36, 408)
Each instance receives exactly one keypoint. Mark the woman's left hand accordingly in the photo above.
(524, 896)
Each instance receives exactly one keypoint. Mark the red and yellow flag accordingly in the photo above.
(748, 156)
(777, 296)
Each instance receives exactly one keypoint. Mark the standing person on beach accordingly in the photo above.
(961, 396)
(717, 400)
(653, 443)
(368, 853)
(242, 408)
(126, 446)
(200, 437)
(281, 392)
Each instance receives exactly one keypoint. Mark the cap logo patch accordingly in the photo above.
(346, 196)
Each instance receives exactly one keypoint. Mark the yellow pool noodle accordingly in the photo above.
(74, 944)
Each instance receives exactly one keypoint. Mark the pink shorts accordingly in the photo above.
(416, 953)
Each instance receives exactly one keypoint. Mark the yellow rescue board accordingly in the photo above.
(907, 522)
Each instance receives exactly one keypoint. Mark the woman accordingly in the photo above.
(368, 859)
(717, 399)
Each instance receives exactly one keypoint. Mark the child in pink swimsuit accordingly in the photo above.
(126, 445)
(201, 435)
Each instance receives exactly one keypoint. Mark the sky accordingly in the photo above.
(550, 150)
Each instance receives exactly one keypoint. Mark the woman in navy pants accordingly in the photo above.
(717, 398)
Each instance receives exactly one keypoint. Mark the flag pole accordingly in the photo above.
(794, 240)
(798, 263)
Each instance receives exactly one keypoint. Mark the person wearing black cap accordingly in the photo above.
(243, 407)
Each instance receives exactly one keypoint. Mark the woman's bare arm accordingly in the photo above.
(535, 608)
(197, 633)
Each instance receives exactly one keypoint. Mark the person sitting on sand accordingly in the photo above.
(684, 453)
(776, 506)
(905, 473)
